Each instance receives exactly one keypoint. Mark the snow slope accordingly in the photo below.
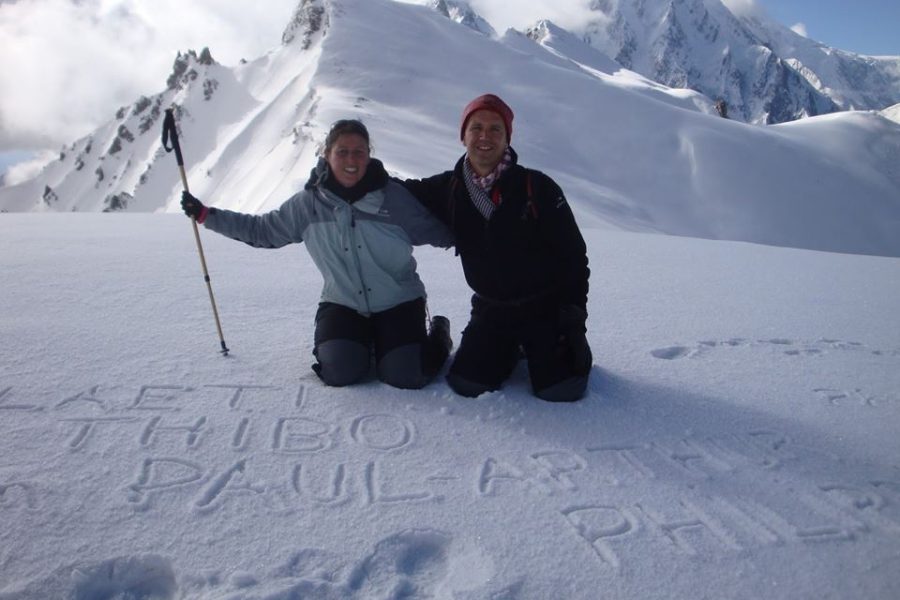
(892, 113)
(630, 154)
(740, 438)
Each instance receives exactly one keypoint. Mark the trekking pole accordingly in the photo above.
(170, 132)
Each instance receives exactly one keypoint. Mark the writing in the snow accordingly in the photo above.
(207, 448)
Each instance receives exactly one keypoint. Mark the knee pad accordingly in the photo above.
(464, 387)
(341, 362)
(567, 390)
(402, 367)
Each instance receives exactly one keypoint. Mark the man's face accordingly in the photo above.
(485, 140)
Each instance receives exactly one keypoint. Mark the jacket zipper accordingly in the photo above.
(354, 249)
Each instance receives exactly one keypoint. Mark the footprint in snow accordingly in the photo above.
(410, 564)
(671, 353)
(143, 577)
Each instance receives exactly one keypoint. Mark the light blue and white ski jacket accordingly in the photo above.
(363, 249)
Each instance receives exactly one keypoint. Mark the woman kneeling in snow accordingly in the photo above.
(359, 227)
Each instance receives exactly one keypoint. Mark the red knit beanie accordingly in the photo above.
(492, 103)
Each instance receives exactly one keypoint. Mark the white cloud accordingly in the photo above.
(23, 171)
(565, 13)
(525, 13)
(745, 8)
(799, 28)
(67, 65)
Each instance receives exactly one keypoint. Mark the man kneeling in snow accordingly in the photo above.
(524, 257)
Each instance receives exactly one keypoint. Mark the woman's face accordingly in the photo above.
(348, 158)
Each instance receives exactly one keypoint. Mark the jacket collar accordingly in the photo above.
(514, 160)
(376, 177)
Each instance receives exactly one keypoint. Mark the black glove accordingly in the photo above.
(193, 207)
(571, 323)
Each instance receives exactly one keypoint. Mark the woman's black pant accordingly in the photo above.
(346, 342)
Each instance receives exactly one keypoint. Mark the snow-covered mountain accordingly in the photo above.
(630, 153)
(765, 72)
(852, 81)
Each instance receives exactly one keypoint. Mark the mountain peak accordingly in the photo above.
(182, 69)
(462, 13)
(310, 17)
(542, 30)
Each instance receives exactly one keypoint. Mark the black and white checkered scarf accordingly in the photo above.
(479, 188)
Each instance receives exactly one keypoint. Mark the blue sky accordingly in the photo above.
(864, 26)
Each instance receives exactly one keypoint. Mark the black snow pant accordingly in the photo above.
(490, 349)
(345, 342)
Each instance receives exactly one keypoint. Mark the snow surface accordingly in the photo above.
(739, 439)
(892, 113)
